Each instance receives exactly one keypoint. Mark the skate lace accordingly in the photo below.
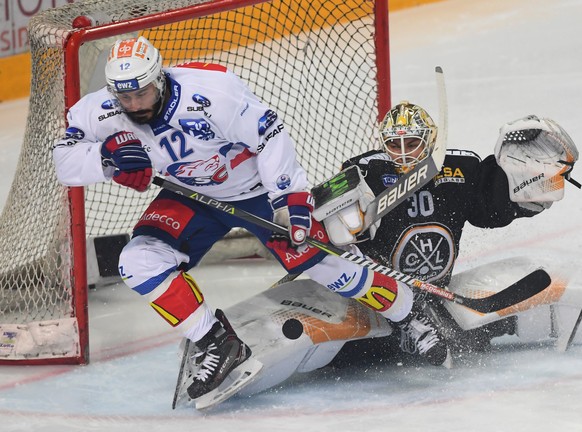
(418, 335)
(208, 364)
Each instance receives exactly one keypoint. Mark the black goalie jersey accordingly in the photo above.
(421, 236)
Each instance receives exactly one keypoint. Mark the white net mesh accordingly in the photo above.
(297, 56)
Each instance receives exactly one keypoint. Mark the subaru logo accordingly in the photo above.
(74, 133)
(110, 104)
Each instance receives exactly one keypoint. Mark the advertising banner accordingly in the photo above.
(14, 16)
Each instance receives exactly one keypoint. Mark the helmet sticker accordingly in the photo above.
(126, 85)
(133, 64)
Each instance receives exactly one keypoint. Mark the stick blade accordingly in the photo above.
(523, 289)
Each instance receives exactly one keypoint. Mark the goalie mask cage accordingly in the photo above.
(322, 65)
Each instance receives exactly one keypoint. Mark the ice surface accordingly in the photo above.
(502, 60)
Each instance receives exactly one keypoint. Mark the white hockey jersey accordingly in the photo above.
(213, 136)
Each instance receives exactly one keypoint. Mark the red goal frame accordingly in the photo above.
(72, 46)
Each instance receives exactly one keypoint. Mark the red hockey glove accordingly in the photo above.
(294, 211)
(138, 180)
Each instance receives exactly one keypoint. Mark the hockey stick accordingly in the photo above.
(422, 172)
(289, 277)
(523, 289)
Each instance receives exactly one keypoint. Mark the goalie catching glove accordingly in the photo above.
(123, 150)
(294, 211)
(536, 155)
(341, 204)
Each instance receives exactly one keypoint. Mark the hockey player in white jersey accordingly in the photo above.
(201, 126)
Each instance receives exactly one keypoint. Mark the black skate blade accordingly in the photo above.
(236, 380)
(184, 377)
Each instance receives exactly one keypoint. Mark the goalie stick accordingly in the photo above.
(422, 172)
(523, 289)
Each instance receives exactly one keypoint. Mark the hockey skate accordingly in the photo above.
(419, 335)
(215, 367)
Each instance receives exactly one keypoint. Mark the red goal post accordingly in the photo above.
(322, 65)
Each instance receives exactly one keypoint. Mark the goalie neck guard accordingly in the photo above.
(408, 135)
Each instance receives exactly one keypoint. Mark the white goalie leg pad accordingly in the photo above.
(536, 155)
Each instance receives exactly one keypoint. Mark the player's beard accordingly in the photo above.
(147, 115)
(141, 116)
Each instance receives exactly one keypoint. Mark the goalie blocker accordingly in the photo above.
(341, 203)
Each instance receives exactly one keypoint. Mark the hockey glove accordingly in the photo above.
(139, 180)
(123, 150)
(294, 211)
(537, 155)
(341, 203)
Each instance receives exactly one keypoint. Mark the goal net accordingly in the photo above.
(322, 65)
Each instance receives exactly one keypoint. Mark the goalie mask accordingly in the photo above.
(132, 65)
(408, 135)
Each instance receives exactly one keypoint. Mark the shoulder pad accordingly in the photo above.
(464, 153)
(365, 158)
